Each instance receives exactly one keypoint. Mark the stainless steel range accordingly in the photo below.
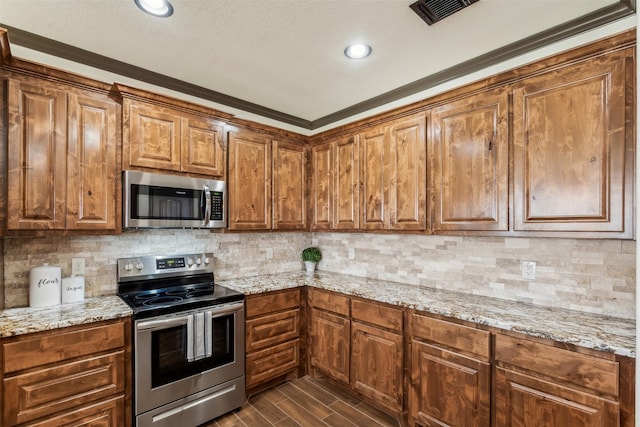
(188, 335)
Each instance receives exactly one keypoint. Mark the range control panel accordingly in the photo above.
(136, 268)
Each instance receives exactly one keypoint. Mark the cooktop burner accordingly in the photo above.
(153, 286)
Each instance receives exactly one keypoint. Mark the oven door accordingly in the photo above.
(185, 353)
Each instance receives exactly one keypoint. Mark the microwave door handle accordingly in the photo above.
(206, 195)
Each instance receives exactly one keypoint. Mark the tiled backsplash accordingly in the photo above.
(235, 255)
(595, 276)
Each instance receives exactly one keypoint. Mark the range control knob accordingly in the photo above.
(206, 260)
(190, 262)
(128, 266)
(198, 261)
(139, 266)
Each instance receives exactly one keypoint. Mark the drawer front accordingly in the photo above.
(109, 413)
(62, 388)
(272, 329)
(580, 369)
(377, 314)
(459, 337)
(272, 302)
(268, 364)
(330, 301)
(28, 353)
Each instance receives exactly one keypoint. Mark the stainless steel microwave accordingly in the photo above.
(152, 200)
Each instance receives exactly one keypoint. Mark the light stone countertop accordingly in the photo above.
(594, 331)
(24, 320)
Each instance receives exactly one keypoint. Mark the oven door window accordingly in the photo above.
(169, 362)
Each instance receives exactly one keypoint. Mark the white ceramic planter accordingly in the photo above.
(310, 266)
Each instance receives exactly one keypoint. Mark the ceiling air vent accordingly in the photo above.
(432, 11)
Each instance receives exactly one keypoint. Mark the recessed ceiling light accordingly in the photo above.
(160, 8)
(357, 51)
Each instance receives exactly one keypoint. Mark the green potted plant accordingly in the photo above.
(311, 256)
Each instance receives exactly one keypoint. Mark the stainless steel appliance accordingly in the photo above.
(188, 337)
(154, 200)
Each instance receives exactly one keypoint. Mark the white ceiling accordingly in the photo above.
(287, 55)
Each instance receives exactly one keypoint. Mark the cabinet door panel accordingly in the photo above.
(374, 174)
(202, 147)
(154, 137)
(569, 148)
(41, 393)
(376, 365)
(448, 389)
(249, 181)
(330, 344)
(407, 175)
(347, 185)
(109, 413)
(289, 186)
(322, 191)
(470, 163)
(91, 163)
(523, 401)
(36, 161)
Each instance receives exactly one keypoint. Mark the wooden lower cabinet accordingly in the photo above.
(330, 344)
(450, 374)
(541, 385)
(273, 331)
(71, 376)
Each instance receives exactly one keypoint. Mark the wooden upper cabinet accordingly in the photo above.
(36, 161)
(374, 175)
(393, 174)
(202, 143)
(407, 159)
(346, 200)
(154, 137)
(469, 150)
(322, 187)
(169, 135)
(61, 158)
(336, 187)
(289, 186)
(249, 181)
(572, 148)
(91, 163)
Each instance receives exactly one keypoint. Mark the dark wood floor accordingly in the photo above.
(305, 402)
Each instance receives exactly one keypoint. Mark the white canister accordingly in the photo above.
(44, 285)
(72, 289)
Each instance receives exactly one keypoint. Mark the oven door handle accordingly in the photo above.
(226, 309)
(164, 323)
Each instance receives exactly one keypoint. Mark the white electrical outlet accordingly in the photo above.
(352, 253)
(528, 270)
(269, 253)
(77, 266)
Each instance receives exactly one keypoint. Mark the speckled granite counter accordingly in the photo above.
(587, 330)
(18, 321)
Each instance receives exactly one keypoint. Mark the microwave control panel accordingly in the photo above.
(216, 206)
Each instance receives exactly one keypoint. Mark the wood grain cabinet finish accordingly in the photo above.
(267, 183)
(336, 189)
(77, 375)
(273, 336)
(162, 138)
(289, 186)
(540, 385)
(329, 334)
(450, 374)
(469, 149)
(393, 176)
(249, 181)
(61, 157)
(572, 139)
(377, 353)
